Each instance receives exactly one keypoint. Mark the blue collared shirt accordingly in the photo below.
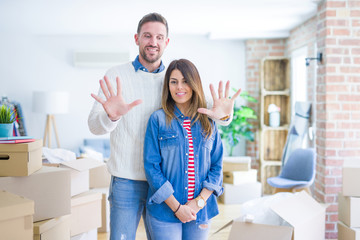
(166, 156)
(137, 65)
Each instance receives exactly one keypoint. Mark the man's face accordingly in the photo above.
(152, 41)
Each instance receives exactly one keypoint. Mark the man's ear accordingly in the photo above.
(136, 37)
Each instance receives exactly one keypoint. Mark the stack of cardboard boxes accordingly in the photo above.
(64, 206)
(240, 181)
(349, 202)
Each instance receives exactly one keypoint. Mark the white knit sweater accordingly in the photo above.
(128, 133)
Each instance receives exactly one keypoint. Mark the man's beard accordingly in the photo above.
(147, 59)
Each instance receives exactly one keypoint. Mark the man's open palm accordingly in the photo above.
(114, 104)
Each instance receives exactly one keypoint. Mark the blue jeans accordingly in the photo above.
(127, 200)
(160, 230)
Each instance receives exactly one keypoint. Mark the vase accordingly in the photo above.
(6, 129)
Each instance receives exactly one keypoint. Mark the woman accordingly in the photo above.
(182, 159)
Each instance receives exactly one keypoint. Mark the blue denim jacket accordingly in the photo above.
(166, 151)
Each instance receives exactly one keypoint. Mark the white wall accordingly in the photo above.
(33, 62)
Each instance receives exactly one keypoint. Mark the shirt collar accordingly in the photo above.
(137, 65)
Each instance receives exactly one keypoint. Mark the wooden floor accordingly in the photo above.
(227, 213)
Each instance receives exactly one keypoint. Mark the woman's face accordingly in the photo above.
(180, 91)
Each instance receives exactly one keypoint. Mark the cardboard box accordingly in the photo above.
(100, 177)
(49, 188)
(16, 217)
(252, 231)
(239, 163)
(53, 229)
(351, 178)
(347, 233)
(85, 212)
(301, 211)
(90, 235)
(349, 210)
(105, 209)
(240, 177)
(237, 194)
(20, 159)
(79, 173)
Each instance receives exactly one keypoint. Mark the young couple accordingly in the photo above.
(166, 164)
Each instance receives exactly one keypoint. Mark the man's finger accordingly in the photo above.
(236, 94)
(118, 84)
(227, 89)
(97, 98)
(104, 89)
(135, 103)
(109, 87)
(220, 90)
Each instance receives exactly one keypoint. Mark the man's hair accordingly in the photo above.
(192, 76)
(153, 17)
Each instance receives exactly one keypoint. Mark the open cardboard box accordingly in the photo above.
(301, 211)
(79, 172)
(351, 178)
(48, 187)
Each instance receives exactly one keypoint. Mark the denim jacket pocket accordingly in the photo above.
(168, 140)
(208, 142)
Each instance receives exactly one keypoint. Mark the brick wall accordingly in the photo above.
(334, 31)
(256, 50)
(338, 97)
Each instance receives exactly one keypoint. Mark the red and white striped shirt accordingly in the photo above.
(191, 167)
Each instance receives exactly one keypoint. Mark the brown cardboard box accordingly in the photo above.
(90, 235)
(49, 188)
(79, 173)
(301, 211)
(347, 233)
(105, 209)
(85, 212)
(100, 177)
(20, 159)
(237, 194)
(239, 163)
(349, 210)
(16, 217)
(53, 229)
(240, 177)
(351, 178)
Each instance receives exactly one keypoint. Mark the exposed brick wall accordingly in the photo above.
(334, 31)
(256, 50)
(338, 97)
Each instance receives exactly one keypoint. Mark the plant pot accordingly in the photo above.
(6, 129)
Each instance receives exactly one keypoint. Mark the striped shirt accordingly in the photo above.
(191, 167)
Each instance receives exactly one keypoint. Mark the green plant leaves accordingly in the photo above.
(7, 115)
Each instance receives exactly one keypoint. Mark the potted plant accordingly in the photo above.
(240, 127)
(7, 119)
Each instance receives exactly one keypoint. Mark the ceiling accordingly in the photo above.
(228, 19)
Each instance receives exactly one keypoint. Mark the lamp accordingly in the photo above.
(50, 103)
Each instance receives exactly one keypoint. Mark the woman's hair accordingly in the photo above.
(191, 75)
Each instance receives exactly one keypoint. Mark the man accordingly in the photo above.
(140, 83)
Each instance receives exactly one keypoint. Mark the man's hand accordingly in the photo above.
(185, 214)
(114, 105)
(223, 105)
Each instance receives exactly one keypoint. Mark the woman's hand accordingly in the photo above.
(223, 105)
(114, 104)
(193, 205)
(185, 214)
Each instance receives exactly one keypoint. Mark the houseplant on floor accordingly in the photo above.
(240, 127)
(7, 119)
